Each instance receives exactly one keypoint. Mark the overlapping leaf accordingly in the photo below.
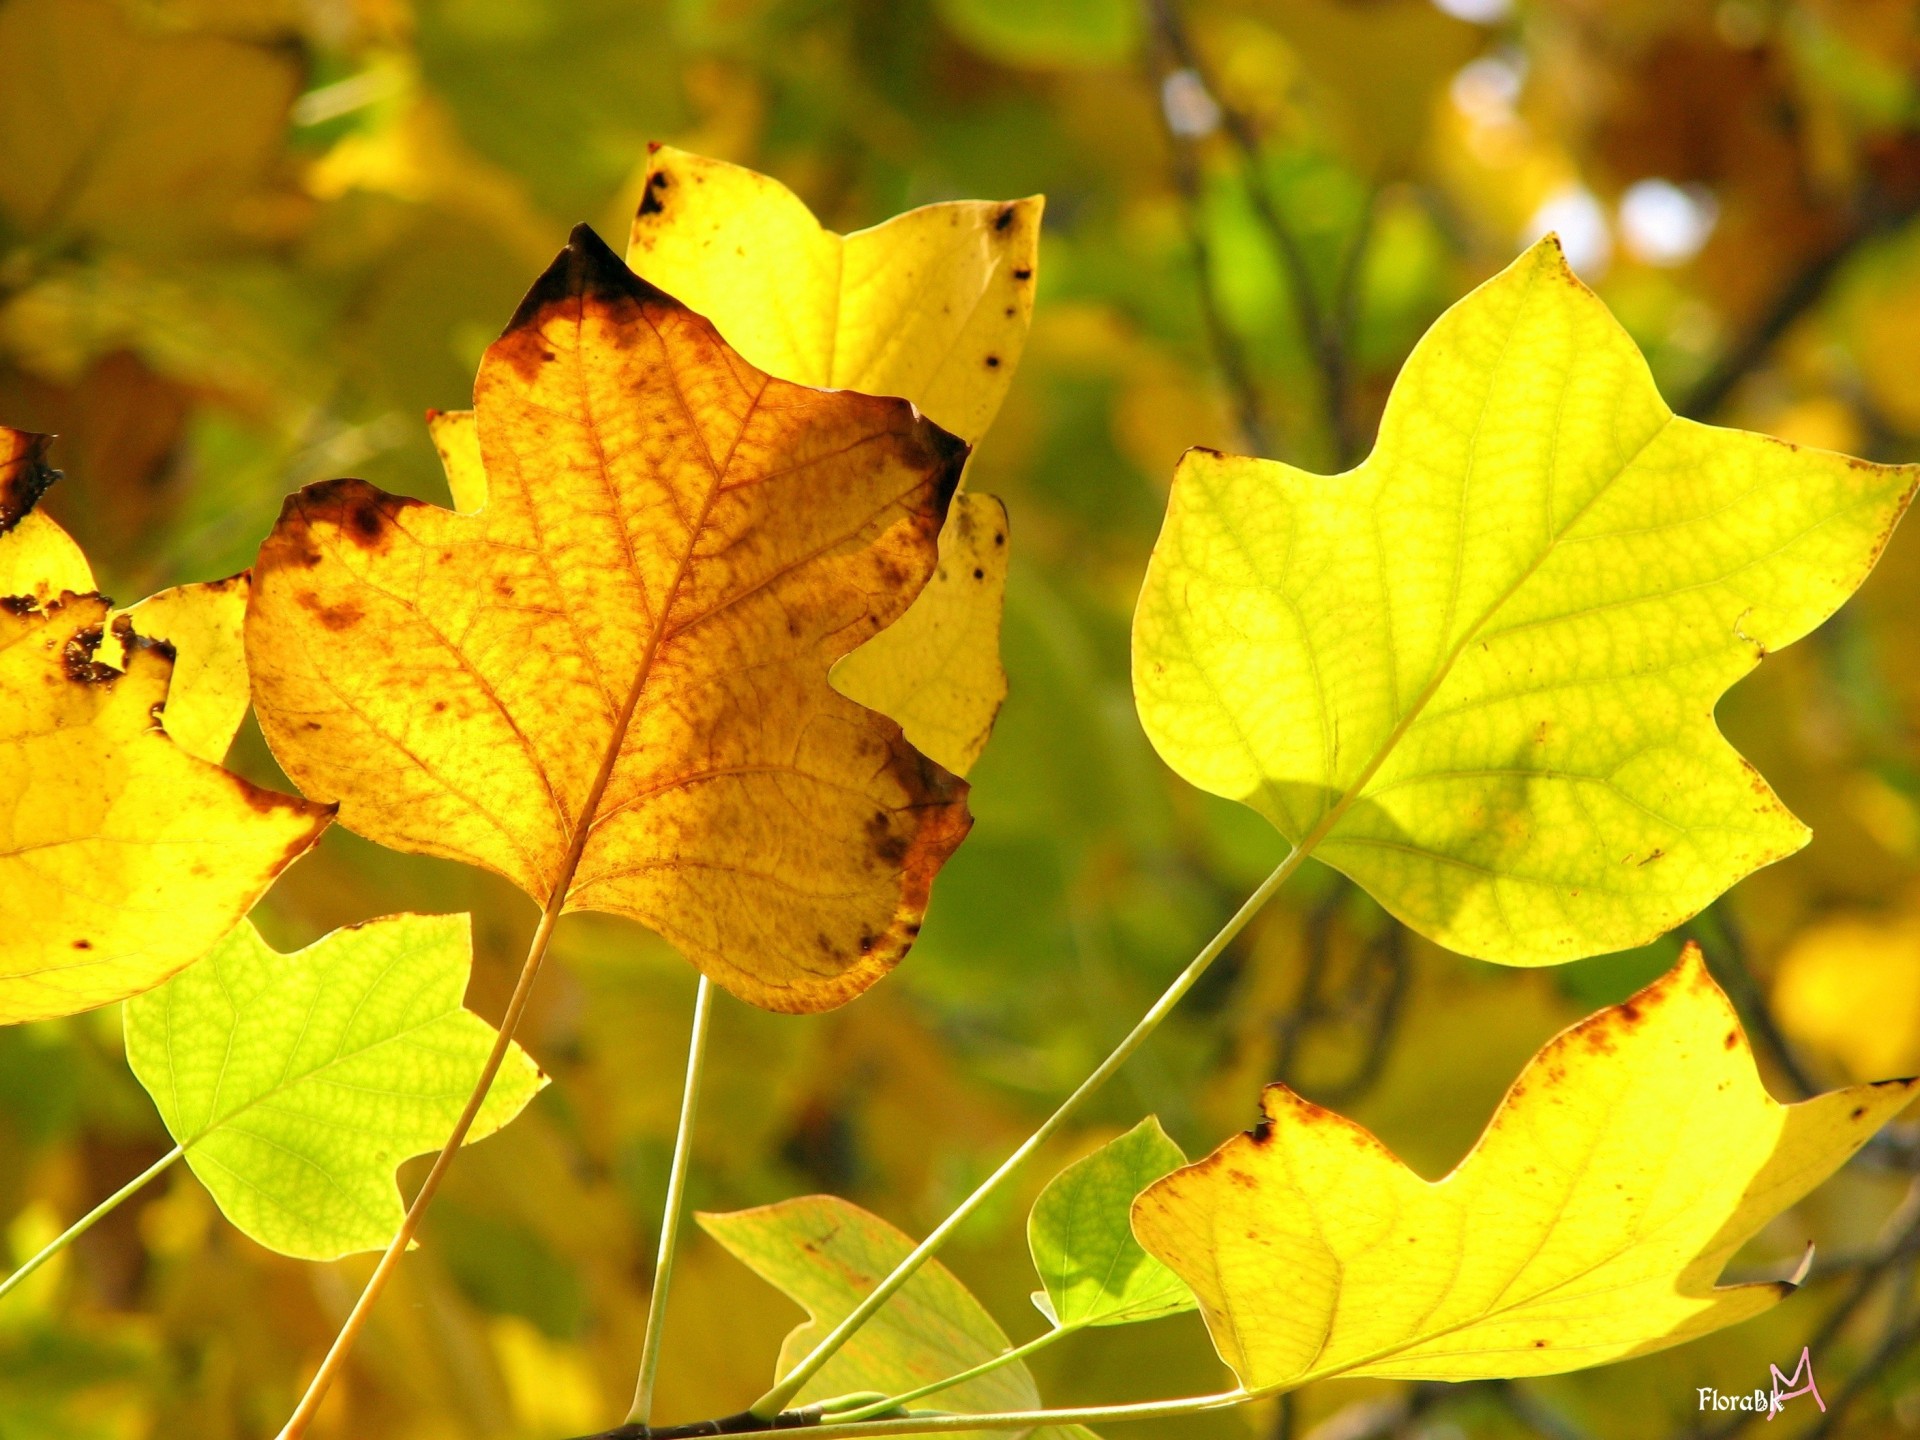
(932, 305)
(1081, 1236)
(825, 1254)
(1477, 672)
(1634, 1155)
(124, 855)
(609, 683)
(296, 1084)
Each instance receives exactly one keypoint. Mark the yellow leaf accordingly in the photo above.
(122, 857)
(946, 695)
(1477, 672)
(38, 559)
(1849, 988)
(207, 698)
(609, 684)
(1631, 1159)
(457, 438)
(933, 305)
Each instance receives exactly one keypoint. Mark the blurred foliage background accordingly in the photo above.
(244, 243)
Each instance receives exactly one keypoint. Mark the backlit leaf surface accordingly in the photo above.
(933, 305)
(1477, 672)
(122, 856)
(297, 1083)
(825, 1253)
(1634, 1155)
(1081, 1236)
(620, 659)
(38, 559)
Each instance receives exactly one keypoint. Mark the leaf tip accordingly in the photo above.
(24, 474)
(585, 270)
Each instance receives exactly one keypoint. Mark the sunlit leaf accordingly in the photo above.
(1081, 1236)
(1477, 672)
(122, 857)
(825, 1253)
(1634, 1155)
(297, 1083)
(932, 305)
(38, 559)
(627, 646)
(207, 696)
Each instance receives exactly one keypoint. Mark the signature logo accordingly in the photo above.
(1782, 1389)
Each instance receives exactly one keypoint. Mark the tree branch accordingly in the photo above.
(1874, 215)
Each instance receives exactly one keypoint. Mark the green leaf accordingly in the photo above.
(1477, 672)
(1081, 1236)
(298, 1083)
(825, 1254)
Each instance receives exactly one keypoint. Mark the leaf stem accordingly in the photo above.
(550, 913)
(928, 1424)
(87, 1221)
(356, 1321)
(777, 1399)
(985, 1367)
(642, 1410)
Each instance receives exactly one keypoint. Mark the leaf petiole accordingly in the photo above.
(87, 1221)
(642, 1410)
(778, 1398)
(882, 1407)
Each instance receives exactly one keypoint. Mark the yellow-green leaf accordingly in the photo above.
(1634, 1155)
(296, 1084)
(123, 858)
(826, 1253)
(609, 682)
(1477, 673)
(1080, 1234)
(933, 305)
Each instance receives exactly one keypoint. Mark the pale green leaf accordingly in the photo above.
(298, 1083)
(1477, 673)
(1081, 1235)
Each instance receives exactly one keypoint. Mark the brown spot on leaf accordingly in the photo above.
(1023, 273)
(24, 474)
(888, 847)
(993, 362)
(83, 944)
(650, 203)
(1857, 1112)
(1004, 218)
(343, 616)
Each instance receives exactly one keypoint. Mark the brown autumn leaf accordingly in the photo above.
(609, 683)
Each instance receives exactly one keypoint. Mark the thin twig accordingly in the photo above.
(1228, 354)
(1900, 1248)
(1874, 215)
(1902, 1335)
(781, 1395)
(1324, 344)
(1727, 960)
